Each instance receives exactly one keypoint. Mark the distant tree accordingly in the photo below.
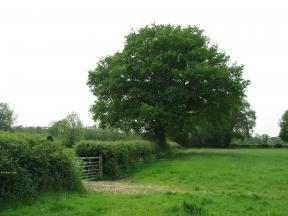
(75, 129)
(276, 140)
(164, 77)
(263, 139)
(70, 129)
(7, 117)
(58, 128)
(239, 123)
(244, 121)
(284, 127)
(218, 131)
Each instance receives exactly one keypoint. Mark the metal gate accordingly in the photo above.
(90, 167)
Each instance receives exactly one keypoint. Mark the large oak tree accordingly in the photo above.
(164, 78)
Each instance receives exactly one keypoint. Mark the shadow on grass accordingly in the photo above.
(207, 153)
(38, 199)
(187, 209)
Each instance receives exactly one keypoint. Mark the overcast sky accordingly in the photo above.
(47, 48)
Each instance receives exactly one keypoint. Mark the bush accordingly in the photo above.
(265, 145)
(278, 145)
(14, 180)
(29, 166)
(118, 156)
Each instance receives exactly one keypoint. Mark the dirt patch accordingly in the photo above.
(123, 187)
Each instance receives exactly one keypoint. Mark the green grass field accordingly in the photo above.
(206, 181)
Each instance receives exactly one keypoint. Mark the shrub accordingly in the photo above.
(278, 145)
(14, 180)
(118, 156)
(265, 145)
(29, 166)
(173, 145)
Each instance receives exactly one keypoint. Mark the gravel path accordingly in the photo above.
(124, 187)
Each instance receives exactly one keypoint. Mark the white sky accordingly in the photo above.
(47, 48)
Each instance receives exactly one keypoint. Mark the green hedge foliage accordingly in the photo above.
(118, 156)
(29, 166)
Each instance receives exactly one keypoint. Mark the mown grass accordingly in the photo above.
(110, 204)
(264, 171)
(207, 181)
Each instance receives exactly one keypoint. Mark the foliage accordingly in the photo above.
(7, 117)
(118, 156)
(94, 133)
(164, 76)
(69, 130)
(244, 121)
(284, 127)
(275, 141)
(238, 124)
(29, 166)
(262, 140)
(205, 131)
(258, 141)
(278, 145)
(58, 128)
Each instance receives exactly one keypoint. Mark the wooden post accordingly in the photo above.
(100, 165)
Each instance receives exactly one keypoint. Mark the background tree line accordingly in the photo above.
(240, 136)
(167, 82)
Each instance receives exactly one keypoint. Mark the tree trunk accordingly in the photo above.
(227, 140)
(161, 140)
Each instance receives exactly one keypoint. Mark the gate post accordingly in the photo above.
(100, 165)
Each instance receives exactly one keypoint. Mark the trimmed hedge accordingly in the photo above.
(29, 166)
(118, 156)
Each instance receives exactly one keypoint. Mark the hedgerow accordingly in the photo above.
(29, 165)
(118, 156)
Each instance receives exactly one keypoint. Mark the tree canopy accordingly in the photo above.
(7, 117)
(165, 80)
(244, 121)
(219, 131)
(284, 127)
(69, 129)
